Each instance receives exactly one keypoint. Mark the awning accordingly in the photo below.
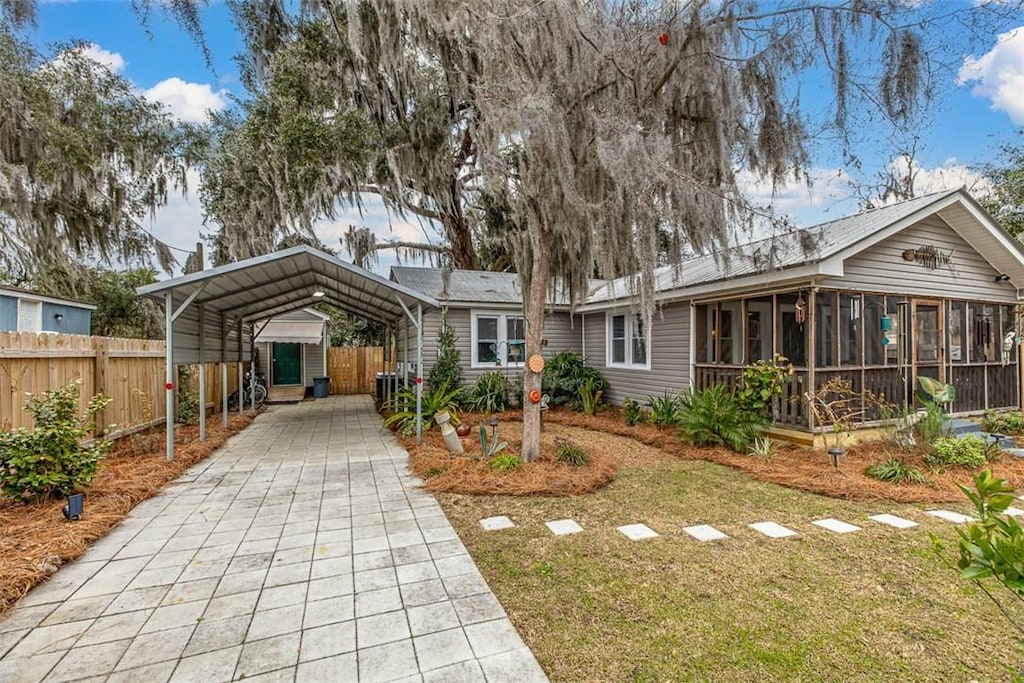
(292, 332)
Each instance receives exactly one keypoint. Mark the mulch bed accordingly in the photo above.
(471, 474)
(807, 469)
(36, 540)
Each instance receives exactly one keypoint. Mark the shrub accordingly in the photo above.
(762, 382)
(664, 411)
(932, 424)
(1003, 423)
(404, 406)
(633, 412)
(490, 393)
(590, 398)
(447, 370)
(505, 462)
(969, 451)
(49, 459)
(564, 374)
(763, 447)
(895, 471)
(187, 412)
(713, 416)
(571, 453)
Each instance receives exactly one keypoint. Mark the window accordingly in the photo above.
(957, 332)
(849, 329)
(792, 328)
(760, 326)
(627, 341)
(499, 339)
(825, 330)
(874, 331)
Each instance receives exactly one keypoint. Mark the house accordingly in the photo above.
(928, 287)
(291, 349)
(485, 311)
(25, 311)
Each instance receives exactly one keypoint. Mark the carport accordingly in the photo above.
(209, 315)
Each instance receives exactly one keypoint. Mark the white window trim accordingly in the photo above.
(502, 338)
(630, 322)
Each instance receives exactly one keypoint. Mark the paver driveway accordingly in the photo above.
(302, 550)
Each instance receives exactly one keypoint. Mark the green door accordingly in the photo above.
(287, 364)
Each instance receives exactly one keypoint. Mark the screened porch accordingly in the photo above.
(878, 342)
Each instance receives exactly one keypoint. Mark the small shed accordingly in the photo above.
(292, 348)
(22, 310)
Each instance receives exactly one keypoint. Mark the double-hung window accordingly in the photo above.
(627, 341)
(499, 339)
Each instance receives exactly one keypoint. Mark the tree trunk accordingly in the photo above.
(460, 239)
(534, 336)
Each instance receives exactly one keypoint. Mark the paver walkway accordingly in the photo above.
(302, 551)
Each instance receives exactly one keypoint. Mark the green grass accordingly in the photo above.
(876, 605)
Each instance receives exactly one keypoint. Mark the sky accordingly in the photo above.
(980, 106)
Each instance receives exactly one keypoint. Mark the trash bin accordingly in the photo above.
(321, 387)
(383, 379)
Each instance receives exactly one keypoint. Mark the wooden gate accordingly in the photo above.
(353, 369)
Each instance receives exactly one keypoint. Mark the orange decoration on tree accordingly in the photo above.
(534, 396)
(663, 39)
(536, 362)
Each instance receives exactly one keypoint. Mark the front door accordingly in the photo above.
(927, 352)
(287, 364)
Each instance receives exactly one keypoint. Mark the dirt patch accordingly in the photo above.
(36, 540)
(808, 469)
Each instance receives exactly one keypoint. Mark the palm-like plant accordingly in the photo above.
(713, 416)
(441, 399)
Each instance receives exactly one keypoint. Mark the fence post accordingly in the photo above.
(101, 363)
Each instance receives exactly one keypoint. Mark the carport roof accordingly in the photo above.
(269, 285)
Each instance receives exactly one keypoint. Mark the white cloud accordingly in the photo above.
(112, 60)
(189, 102)
(999, 74)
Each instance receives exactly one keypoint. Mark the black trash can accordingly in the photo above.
(383, 379)
(321, 387)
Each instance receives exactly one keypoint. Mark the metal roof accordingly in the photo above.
(19, 293)
(273, 284)
(832, 239)
(264, 286)
(471, 286)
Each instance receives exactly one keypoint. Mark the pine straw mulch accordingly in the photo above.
(36, 540)
(546, 476)
(807, 469)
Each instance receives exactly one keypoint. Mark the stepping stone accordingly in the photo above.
(836, 525)
(562, 527)
(949, 516)
(1014, 512)
(772, 530)
(637, 532)
(705, 532)
(496, 523)
(893, 520)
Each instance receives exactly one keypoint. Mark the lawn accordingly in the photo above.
(872, 605)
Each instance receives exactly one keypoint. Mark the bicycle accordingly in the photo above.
(259, 391)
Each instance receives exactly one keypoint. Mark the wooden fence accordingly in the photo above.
(353, 369)
(129, 371)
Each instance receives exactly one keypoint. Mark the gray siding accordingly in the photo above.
(883, 269)
(669, 354)
(74, 320)
(8, 314)
(558, 329)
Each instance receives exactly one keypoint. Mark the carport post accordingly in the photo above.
(169, 375)
(241, 387)
(405, 358)
(419, 373)
(223, 370)
(202, 373)
(252, 368)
